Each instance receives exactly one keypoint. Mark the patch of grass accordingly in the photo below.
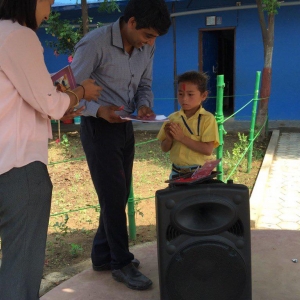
(75, 250)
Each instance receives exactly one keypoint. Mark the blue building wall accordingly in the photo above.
(284, 101)
(284, 104)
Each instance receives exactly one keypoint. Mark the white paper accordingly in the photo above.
(157, 118)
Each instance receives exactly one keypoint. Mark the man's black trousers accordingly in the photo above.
(109, 149)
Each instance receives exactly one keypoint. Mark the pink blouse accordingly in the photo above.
(27, 98)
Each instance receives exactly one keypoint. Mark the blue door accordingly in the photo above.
(210, 50)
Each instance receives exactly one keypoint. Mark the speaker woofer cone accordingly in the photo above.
(206, 271)
(203, 217)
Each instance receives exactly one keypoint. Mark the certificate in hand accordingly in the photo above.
(156, 118)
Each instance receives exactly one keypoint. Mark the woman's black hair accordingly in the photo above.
(21, 11)
(149, 14)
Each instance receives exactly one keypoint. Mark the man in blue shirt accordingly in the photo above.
(120, 58)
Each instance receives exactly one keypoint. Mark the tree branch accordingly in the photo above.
(85, 17)
(262, 20)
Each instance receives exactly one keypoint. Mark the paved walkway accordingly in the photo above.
(280, 208)
(275, 237)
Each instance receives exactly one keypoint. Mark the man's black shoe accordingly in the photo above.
(107, 266)
(132, 277)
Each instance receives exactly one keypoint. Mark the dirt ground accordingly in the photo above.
(75, 211)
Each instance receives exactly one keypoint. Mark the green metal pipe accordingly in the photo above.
(253, 118)
(131, 214)
(220, 120)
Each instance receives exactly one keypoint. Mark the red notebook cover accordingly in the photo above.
(64, 79)
(205, 172)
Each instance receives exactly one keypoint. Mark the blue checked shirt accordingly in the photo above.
(126, 79)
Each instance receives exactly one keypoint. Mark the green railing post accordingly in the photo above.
(220, 120)
(131, 214)
(253, 118)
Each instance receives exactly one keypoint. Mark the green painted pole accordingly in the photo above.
(253, 118)
(220, 120)
(131, 214)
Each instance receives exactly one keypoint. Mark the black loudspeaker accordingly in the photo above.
(204, 250)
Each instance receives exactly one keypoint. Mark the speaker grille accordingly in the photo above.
(206, 271)
(172, 233)
(237, 228)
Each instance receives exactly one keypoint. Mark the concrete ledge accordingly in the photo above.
(257, 195)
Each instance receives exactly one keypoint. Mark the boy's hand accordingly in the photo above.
(168, 132)
(176, 132)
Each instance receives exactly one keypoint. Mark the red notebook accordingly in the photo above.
(64, 79)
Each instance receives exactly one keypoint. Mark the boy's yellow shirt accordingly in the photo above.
(182, 155)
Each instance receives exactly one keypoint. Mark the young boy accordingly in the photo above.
(192, 132)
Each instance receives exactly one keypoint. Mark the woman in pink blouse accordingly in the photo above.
(27, 99)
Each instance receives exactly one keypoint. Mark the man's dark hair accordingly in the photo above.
(198, 78)
(149, 14)
(21, 11)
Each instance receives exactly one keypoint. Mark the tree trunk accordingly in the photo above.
(85, 17)
(265, 90)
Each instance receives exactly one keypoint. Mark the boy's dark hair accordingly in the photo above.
(21, 11)
(149, 14)
(198, 78)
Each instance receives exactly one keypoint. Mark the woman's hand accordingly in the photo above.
(71, 113)
(91, 90)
